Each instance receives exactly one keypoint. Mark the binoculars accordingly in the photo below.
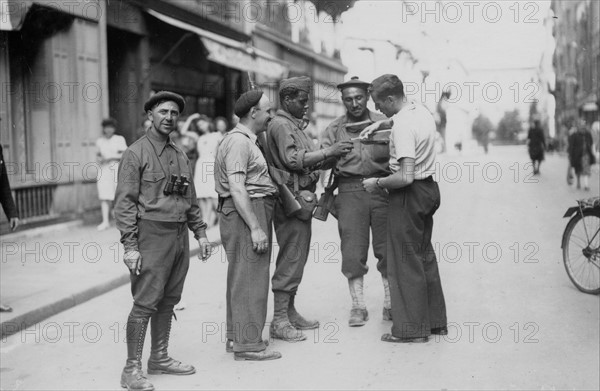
(177, 185)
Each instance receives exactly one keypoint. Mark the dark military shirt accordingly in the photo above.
(145, 169)
(364, 160)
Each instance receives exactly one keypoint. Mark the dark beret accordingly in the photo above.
(354, 82)
(246, 101)
(302, 83)
(163, 96)
(109, 122)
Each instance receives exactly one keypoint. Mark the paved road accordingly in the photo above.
(516, 321)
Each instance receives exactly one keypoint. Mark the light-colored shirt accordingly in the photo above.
(238, 154)
(413, 136)
(365, 160)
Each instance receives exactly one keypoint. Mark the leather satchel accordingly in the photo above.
(307, 200)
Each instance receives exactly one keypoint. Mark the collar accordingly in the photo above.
(159, 144)
(289, 117)
(244, 129)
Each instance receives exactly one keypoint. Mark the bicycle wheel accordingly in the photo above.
(581, 251)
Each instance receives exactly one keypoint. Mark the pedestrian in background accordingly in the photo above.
(536, 145)
(359, 211)
(221, 125)
(9, 207)
(155, 206)
(581, 155)
(204, 177)
(293, 151)
(110, 149)
(418, 305)
(246, 201)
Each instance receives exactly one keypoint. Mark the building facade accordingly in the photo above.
(65, 65)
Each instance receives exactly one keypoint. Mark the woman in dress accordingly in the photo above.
(581, 155)
(204, 176)
(536, 142)
(110, 149)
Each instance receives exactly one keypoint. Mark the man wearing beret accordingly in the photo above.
(155, 204)
(293, 151)
(357, 209)
(246, 201)
(418, 306)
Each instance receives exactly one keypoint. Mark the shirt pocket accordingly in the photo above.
(380, 152)
(152, 184)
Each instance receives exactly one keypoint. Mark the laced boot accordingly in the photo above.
(281, 328)
(159, 361)
(358, 314)
(387, 301)
(133, 377)
(298, 320)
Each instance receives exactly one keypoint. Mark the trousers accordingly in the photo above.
(358, 211)
(293, 237)
(247, 275)
(415, 286)
(165, 251)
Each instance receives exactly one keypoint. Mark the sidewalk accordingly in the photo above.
(47, 270)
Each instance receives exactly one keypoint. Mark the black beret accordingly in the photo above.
(354, 82)
(246, 101)
(163, 96)
(109, 122)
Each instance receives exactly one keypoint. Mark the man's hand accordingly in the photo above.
(341, 148)
(205, 249)
(14, 223)
(369, 130)
(370, 185)
(260, 243)
(133, 260)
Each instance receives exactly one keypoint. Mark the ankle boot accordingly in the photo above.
(358, 314)
(281, 328)
(132, 376)
(159, 361)
(298, 320)
(387, 301)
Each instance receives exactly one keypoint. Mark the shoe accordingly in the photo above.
(297, 320)
(391, 338)
(229, 345)
(387, 313)
(256, 356)
(103, 226)
(439, 330)
(358, 317)
(5, 308)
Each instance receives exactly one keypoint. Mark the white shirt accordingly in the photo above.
(413, 136)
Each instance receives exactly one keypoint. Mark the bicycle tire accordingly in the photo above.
(583, 271)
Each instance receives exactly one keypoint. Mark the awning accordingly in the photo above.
(12, 14)
(231, 53)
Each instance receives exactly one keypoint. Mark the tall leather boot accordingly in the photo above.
(387, 301)
(132, 376)
(358, 314)
(281, 328)
(297, 320)
(159, 361)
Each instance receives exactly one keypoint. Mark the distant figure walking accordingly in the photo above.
(536, 142)
(581, 155)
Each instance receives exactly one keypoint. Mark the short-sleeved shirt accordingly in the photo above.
(288, 144)
(145, 169)
(238, 153)
(365, 160)
(413, 136)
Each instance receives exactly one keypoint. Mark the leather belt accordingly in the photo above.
(350, 184)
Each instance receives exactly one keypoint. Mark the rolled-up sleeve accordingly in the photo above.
(126, 199)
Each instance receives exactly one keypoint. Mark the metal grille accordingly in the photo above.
(35, 203)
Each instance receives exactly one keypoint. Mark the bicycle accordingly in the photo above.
(581, 245)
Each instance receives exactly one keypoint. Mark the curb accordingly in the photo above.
(37, 315)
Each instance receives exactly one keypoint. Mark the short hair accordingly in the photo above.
(292, 92)
(109, 122)
(387, 85)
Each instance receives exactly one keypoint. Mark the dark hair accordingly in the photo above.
(109, 122)
(387, 85)
(292, 92)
